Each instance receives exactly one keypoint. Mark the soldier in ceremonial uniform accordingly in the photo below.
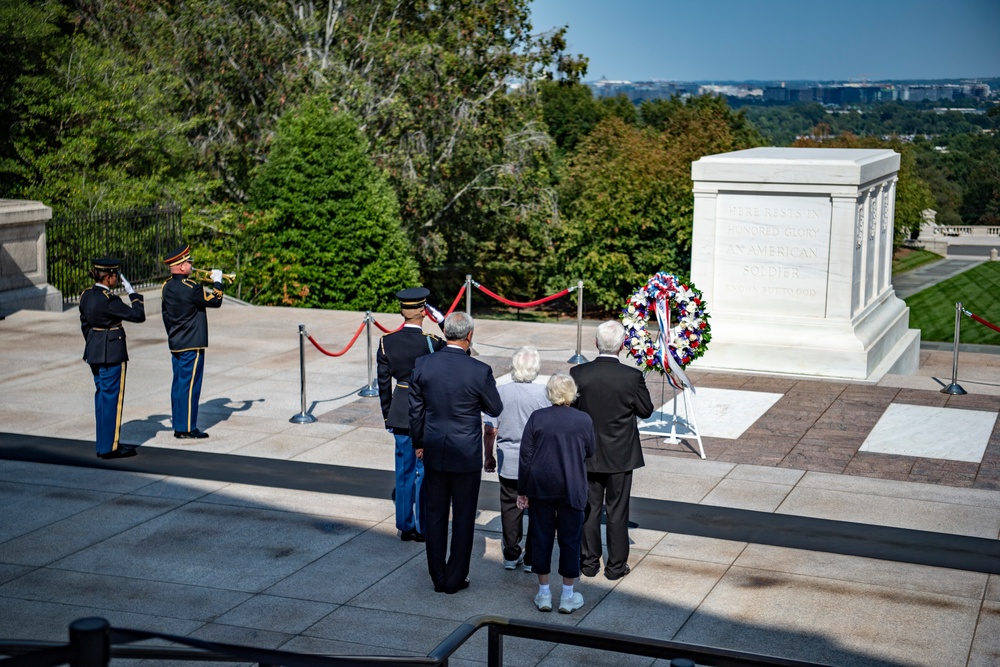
(184, 304)
(101, 317)
(396, 355)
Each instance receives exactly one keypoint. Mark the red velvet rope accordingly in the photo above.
(521, 304)
(337, 354)
(982, 321)
(455, 302)
(384, 329)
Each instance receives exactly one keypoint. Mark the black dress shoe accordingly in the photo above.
(461, 587)
(409, 535)
(615, 576)
(195, 434)
(419, 537)
(121, 453)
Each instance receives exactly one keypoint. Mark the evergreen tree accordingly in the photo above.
(333, 236)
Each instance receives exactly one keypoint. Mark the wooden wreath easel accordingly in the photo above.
(662, 425)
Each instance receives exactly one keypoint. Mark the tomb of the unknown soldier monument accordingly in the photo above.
(792, 248)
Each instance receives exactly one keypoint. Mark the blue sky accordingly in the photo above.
(688, 40)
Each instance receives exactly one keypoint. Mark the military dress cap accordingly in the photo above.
(106, 264)
(413, 297)
(180, 255)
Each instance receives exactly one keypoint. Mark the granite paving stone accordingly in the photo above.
(206, 544)
(985, 651)
(323, 579)
(856, 569)
(123, 594)
(84, 529)
(833, 622)
(898, 512)
(48, 621)
(694, 547)
(744, 494)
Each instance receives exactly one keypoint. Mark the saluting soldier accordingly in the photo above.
(397, 352)
(101, 317)
(184, 316)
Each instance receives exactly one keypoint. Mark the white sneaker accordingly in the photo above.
(544, 602)
(512, 564)
(527, 569)
(572, 604)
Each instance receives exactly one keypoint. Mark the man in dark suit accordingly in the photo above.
(101, 317)
(183, 309)
(397, 353)
(448, 392)
(613, 394)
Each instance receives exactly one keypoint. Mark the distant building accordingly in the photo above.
(835, 94)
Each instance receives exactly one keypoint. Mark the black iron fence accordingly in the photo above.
(140, 237)
(93, 643)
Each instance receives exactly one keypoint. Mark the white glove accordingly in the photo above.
(216, 275)
(126, 284)
(434, 313)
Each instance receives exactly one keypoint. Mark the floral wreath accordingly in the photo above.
(689, 331)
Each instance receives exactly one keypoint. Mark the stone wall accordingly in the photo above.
(23, 271)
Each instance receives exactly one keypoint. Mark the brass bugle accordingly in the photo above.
(206, 274)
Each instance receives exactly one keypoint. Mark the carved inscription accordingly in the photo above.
(775, 249)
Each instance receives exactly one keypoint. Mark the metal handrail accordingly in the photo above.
(93, 642)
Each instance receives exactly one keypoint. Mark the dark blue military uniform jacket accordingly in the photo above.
(101, 317)
(448, 391)
(183, 310)
(396, 355)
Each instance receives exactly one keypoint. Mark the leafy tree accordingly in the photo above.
(621, 223)
(974, 159)
(620, 106)
(28, 31)
(569, 110)
(334, 240)
(627, 199)
(94, 131)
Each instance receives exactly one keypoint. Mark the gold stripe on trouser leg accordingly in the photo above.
(121, 402)
(194, 371)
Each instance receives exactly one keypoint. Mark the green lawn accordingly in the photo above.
(905, 259)
(933, 310)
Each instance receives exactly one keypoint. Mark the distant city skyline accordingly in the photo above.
(739, 40)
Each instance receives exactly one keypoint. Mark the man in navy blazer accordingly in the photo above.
(613, 394)
(448, 392)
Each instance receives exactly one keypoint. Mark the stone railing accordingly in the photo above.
(937, 230)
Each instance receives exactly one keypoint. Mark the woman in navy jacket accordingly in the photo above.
(552, 476)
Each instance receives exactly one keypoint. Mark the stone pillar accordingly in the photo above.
(792, 248)
(23, 272)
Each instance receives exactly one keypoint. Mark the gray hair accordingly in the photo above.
(524, 365)
(560, 389)
(610, 336)
(458, 325)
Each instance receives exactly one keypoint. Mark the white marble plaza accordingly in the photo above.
(929, 432)
(719, 413)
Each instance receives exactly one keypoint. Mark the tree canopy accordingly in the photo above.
(333, 239)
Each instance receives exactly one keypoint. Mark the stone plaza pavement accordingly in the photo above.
(837, 522)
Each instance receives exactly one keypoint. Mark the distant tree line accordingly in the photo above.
(332, 153)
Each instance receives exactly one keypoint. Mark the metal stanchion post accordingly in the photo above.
(468, 294)
(494, 647)
(954, 388)
(371, 389)
(90, 640)
(468, 307)
(578, 358)
(303, 417)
